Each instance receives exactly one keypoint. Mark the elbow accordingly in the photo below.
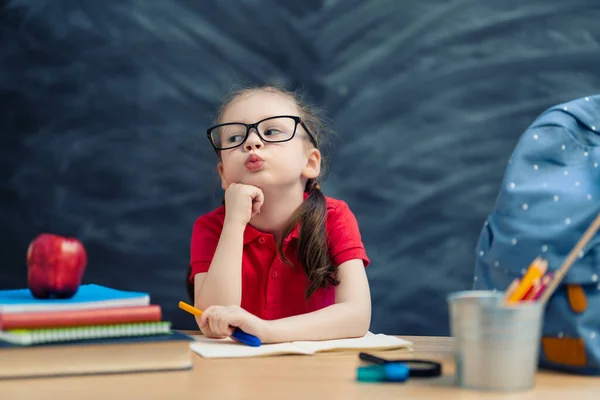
(361, 321)
(364, 325)
(198, 302)
(201, 303)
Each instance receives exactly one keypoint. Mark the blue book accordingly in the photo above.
(88, 297)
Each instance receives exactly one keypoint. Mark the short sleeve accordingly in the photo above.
(205, 237)
(343, 236)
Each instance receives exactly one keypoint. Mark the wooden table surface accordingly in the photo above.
(321, 376)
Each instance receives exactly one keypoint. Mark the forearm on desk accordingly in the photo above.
(341, 320)
(222, 284)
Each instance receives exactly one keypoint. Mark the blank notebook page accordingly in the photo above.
(368, 342)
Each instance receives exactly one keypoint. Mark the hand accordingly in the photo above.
(220, 321)
(242, 202)
(206, 331)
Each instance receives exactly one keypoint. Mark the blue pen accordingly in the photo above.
(238, 334)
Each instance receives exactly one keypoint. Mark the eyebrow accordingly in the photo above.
(244, 121)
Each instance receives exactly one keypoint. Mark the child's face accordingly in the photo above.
(285, 164)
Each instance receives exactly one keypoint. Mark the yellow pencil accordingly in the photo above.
(511, 288)
(191, 309)
(536, 270)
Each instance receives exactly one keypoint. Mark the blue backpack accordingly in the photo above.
(549, 196)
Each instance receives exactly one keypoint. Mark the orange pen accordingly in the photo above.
(191, 309)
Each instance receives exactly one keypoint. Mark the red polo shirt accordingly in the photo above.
(272, 289)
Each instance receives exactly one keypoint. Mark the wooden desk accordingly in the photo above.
(322, 376)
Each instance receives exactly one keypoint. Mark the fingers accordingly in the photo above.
(257, 201)
(210, 334)
(216, 320)
(222, 324)
(202, 320)
(205, 328)
(242, 202)
(211, 322)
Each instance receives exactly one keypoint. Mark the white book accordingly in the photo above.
(228, 348)
(28, 337)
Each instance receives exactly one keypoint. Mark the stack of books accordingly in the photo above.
(98, 330)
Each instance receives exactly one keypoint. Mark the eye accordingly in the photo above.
(235, 138)
(272, 132)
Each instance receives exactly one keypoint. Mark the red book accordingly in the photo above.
(57, 319)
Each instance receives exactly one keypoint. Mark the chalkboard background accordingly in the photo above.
(103, 107)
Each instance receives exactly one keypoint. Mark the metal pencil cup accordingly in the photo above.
(497, 345)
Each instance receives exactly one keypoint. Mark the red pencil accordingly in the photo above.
(545, 281)
(532, 290)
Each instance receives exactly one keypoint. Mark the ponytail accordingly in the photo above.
(189, 286)
(312, 249)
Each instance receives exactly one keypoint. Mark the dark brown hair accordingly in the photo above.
(312, 248)
(189, 286)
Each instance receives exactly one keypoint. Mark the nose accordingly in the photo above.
(253, 142)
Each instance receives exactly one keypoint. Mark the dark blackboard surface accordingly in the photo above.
(103, 107)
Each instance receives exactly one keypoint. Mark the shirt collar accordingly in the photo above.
(251, 233)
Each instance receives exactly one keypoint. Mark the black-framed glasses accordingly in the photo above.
(281, 128)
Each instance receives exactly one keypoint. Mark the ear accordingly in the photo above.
(312, 169)
(224, 183)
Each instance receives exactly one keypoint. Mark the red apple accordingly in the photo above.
(55, 266)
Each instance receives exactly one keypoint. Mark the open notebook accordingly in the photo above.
(228, 348)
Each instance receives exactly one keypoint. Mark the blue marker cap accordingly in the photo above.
(396, 372)
(246, 338)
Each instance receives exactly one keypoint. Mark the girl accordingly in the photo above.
(278, 260)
